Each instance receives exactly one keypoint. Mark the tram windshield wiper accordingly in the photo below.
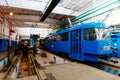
(102, 33)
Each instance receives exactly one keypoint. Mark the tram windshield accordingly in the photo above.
(96, 34)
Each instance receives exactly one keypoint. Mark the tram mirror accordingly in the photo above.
(112, 28)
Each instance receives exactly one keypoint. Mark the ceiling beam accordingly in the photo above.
(49, 9)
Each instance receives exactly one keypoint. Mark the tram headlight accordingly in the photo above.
(115, 44)
(105, 48)
(109, 43)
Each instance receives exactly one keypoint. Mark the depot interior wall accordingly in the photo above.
(4, 36)
(0, 30)
(25, 37)
(27, 31)
(4, 30)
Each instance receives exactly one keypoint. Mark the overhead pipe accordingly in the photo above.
(76, 22)
(93, 11)
(97, 7)
(90, 13)
(100, 13)
(76, 18)
(49, 9)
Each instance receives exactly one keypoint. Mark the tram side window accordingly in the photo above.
(65, 36)
(86, 35)
(46, 40)
(58, 38)
(89, 34)
(54, 38)
(50, 39)
(42, 41)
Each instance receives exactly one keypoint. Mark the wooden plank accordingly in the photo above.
(42, 75)
(1, 75)
(34, 77)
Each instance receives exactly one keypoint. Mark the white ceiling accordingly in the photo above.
(67, 7)
(38, 5)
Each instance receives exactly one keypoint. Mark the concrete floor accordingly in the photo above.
(77, 71)
(65, 70)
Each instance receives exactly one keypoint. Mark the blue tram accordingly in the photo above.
(115, 38)
(85, 42)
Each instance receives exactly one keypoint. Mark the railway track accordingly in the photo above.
(29, 67)
(111, 67)
(34, 66)
(39, 71)
(9, 72)
(21, 67)
(107, 66)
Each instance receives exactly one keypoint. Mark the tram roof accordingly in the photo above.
(83, 26)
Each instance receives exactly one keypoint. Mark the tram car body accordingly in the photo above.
(115, 38)
(41, 43)
(85, 42)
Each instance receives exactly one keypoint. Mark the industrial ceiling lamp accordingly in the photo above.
(11, 13)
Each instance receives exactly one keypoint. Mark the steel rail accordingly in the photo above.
(37, 73)
(9, 71)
